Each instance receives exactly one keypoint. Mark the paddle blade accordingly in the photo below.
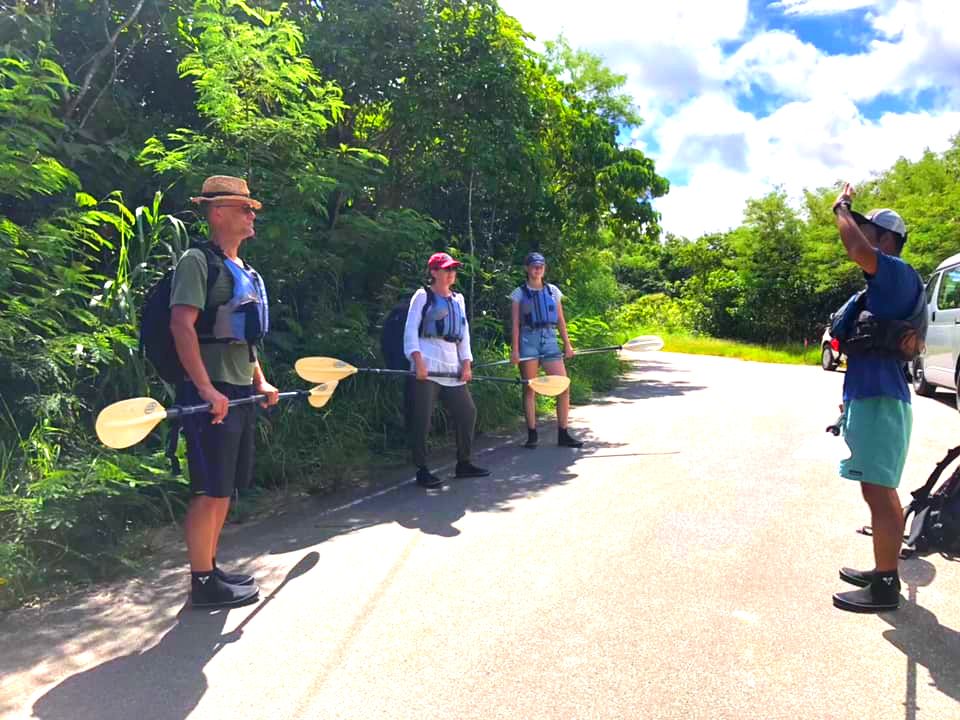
(321, 394)
(323, 369)
(127, 422)
(551, 385)
(644, 343)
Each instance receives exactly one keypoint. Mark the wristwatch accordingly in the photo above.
(839, 203)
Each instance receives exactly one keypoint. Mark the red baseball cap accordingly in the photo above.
(442, 261)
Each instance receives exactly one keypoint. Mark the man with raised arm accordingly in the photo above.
(877, 414)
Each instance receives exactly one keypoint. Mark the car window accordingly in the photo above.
(949, 296)
(931, 286)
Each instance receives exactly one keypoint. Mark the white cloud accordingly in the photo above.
(686, 89)
(822, 7)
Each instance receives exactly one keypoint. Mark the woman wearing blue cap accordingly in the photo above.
(537, 315)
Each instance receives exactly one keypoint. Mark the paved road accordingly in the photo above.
(680, 566)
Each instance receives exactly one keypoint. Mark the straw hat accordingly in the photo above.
(225, 187)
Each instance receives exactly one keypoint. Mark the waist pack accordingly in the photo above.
(861, 333)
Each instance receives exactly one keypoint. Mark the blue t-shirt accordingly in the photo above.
(891, 295)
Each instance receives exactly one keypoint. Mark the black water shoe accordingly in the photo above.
(427, 479)
(209, 591)
(881, 595)
(469, 470)
(565, 439)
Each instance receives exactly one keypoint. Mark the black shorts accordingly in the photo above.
(220, 456)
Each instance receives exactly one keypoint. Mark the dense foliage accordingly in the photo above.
(374, 131)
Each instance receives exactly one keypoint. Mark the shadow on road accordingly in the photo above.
(919, 635)
(164, 682)
(436, 512)
(640, 388)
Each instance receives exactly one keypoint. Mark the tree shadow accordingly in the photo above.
(169, 673)
(164, 682)
(436, 512)
(918, 634)
(634, 387)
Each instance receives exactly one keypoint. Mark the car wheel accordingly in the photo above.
(827, 359)
(920, 384)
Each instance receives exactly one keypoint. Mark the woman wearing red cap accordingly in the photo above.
(537, 314)
(436, 339)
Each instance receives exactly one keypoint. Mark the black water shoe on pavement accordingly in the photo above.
(565, 439)
(427, 479)
(532, 439)
(469, 470)
(860, 578)
(208, 591)
(233, 578)
(881, 595)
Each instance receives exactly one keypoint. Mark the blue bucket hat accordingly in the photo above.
(535, 258)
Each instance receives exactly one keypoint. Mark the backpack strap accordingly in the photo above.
(423, 313)
(215, 259)
(922, 493)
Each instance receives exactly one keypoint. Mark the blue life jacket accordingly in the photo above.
(860, 332)
(538, 308)
(442, 318)
(245, 318)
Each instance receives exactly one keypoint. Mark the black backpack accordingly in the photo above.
(936, 515)
(391, 337)
(156, 340)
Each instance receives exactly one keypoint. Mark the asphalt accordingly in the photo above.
(680, 565)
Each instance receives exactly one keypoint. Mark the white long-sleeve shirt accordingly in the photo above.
(439, 355)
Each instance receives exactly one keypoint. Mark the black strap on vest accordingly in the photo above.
(535, 320)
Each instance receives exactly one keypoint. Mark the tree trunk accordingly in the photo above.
(470, 238)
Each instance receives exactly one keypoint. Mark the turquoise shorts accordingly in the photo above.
(877, 431)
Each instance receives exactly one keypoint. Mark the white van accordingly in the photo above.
(938, 366)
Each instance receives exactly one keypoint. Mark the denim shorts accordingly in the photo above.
(540, 342)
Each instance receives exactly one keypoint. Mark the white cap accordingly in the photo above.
(884, 218)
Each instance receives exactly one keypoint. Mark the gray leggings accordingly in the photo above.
(457, 401)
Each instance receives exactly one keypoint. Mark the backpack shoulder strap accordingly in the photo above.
(921, 493)
(430, 300)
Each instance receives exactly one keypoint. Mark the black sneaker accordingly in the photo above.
(565, 439)
(860, 578)
(469, 470)
(233, 578)
(532, 439)
(210, 591)
(427, 479)
(881, 595)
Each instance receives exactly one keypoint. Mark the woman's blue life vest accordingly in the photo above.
(538, 308)
(442, 318)
(245, 318)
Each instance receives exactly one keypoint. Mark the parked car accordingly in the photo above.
(938, 366)
(830, 355)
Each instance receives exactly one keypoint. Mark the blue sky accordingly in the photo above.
(740, 96)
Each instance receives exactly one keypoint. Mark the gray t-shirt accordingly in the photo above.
(225, 362)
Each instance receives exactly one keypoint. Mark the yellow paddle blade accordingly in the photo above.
(127, 422)
(644, 343)
(551, 385)
(321, 394)
(323, 369)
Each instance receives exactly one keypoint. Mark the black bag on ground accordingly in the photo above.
(156, 340)
(936, 515)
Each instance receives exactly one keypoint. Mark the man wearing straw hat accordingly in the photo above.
(215, 327)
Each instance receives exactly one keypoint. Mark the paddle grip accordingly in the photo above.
(178, 411)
